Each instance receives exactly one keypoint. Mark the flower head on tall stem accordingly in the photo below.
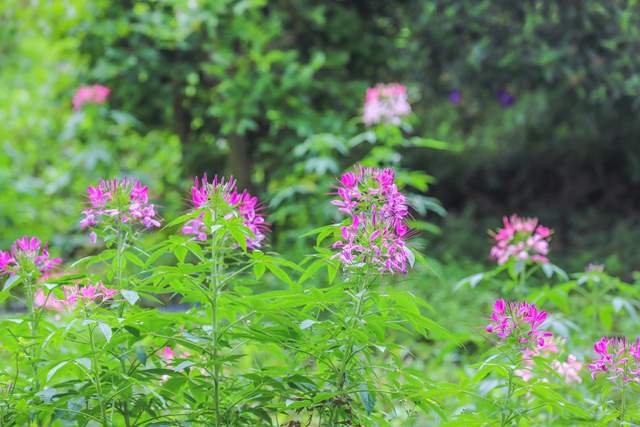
(522, 239)
(375, 232)
(28, 256)
(385, 103)
(519, 321)
(116, 201)
(222, 195)
(618, 358)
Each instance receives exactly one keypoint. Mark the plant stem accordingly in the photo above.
(33, 351)
(96, 373)
(505, 416)
(349, 353)
(119, 253)
(214, 289)
(623, 401)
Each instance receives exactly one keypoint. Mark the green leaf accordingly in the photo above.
(131, 296)
(55, 369)
(106, 330)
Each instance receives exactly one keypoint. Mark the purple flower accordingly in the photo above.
(505, 97)
(28, 255)
(376, 230)
(455, 96)
(618, 358)
(519, 320)
(115, 200)
(228, 202)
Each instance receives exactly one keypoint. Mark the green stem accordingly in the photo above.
(349, 353)
(214, 289)
(119, 253)
(96, 373)
(34, 320)
(623, 401)
(505, 416)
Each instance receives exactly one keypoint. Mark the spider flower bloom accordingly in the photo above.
(94, 94)
(119, 200)
(28, 255)
(519, 320)
(222, 198)
(618, 358)
(385, 103)
(546, 350)
(73, 295)
(377, 231)
(522, 239)
(569, 370)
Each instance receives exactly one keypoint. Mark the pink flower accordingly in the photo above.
(105, 292)
(521, 321)
(618, 358)
(95, 94)
(28, 255)
(521, 239)
(375, 234)
(167, 353)
(569, 370)
(385, 103)
(49, 302)
(224, 199)
(116, 201)
(546, 350)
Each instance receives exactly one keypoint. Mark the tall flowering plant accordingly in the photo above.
(369, 248)
(618, 360)
(223, 226)
(520, 329)
(28, 263)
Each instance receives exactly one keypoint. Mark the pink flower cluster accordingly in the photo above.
(27, 255)
(73, 295)
(522, 239)
(377, 230)
(94, 94)
(618, 358)
(123, 200)
(385, 103)
(520, 320)
(569, 370)
(224, 198)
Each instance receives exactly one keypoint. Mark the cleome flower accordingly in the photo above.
(385, 103)
(377, 230)
(221, 197)
(521, 321)
(521, 239)
(618, 358)
(94, 94)
(73, 295)
(569, 370)
(28, 255)
(124, 200)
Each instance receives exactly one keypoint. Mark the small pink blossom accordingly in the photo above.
(94, 94)
(522, 239)
(569, 370)
(167, 353)
(386, 103)
(50, 302)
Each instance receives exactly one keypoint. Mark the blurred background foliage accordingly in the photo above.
(535, 100)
